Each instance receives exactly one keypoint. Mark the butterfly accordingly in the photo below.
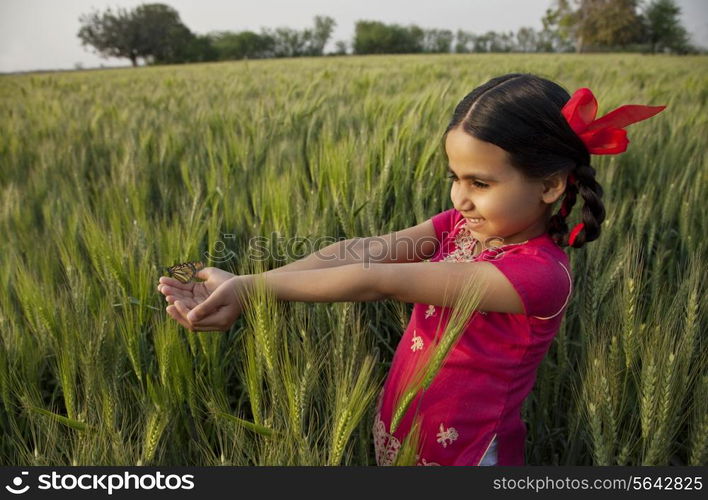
(185, 271)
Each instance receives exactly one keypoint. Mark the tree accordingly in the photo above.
(200, 49)
(437, 41)
(244, 44)
(610, 23)
(664, 29)
(110, 34)
(464, 42)
(557, 33)
(341, 46)
(321, 34)
(598, 23)
(527, 40)
(151, 31)
(502, 42)
(482, 43)
(289, 42)
(491, 41)
(373, 37)
(161, 34)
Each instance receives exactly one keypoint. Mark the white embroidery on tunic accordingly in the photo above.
(466, 244)
(449, 434)
(430, 312)
(385, 444)
(417, 342)
(425, 462)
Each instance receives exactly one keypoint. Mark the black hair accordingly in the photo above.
(521, 113)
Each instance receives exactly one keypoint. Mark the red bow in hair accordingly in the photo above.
(606, 135)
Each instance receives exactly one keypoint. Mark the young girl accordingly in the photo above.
(516, 145)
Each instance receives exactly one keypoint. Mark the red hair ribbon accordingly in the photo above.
(576, 229)
(606, 135)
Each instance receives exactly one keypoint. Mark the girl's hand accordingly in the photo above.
(191, 294)
(219, 311)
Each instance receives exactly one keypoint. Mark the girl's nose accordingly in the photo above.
(463, 204)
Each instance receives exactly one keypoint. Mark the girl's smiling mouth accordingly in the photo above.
(474, 221)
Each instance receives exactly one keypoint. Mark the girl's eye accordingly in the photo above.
(480, 185)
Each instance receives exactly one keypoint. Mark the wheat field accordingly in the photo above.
(108, 175)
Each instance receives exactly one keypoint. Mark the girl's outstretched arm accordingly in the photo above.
(436, 283)
(353, 282)
(412, 244)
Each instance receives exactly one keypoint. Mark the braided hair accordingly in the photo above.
(521, 113)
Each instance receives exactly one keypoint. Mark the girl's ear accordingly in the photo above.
(553, 187)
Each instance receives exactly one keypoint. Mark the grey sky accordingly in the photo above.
(41, 34)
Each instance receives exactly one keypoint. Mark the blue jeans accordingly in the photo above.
(490, 458)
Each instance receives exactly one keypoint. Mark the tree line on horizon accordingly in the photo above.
(155, 33)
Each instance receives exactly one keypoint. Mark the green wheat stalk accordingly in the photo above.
(464, 306)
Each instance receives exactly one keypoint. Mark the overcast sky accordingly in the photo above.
(41, 34)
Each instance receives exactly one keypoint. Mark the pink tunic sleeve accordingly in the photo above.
(541, 280)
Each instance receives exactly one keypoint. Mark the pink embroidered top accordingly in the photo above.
(475, 400)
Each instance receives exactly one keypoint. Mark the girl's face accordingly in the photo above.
(510, 208)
